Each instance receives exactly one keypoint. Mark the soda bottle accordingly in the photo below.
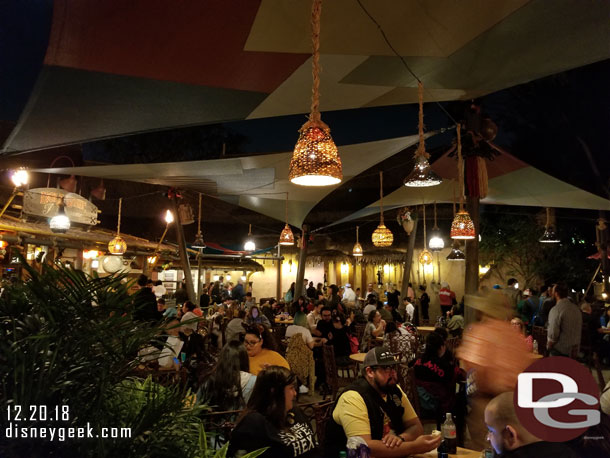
(449, 434)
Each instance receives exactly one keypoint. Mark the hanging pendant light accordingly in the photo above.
(382, 236)
(286, 237)
(436, 242)
(249, 245)
(422, 175)
(456, 254)
(315, 160)
(60, 223)
(425, 257)
(199, 244)
(117, 245)
(462, 226)
(357, 251)
(549, 236)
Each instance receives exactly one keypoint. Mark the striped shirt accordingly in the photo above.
(565, 326)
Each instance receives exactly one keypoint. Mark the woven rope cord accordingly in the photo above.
(421, 148)
(199, 218)
(460, 166)
(316, 11)
(381, 195)
(425, 237)
(356, 234)
(118, 226)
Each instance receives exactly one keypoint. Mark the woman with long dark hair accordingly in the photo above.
(229, 385)
(271, 420)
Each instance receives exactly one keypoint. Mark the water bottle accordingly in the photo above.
(449, 434)
(535, 345)
(342, 454)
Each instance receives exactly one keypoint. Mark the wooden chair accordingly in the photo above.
(218, 426)
(333, 379)
(452, 343)
(300, 359)
(539, 334)
(406, 380)
(317, 414)
(360, 331)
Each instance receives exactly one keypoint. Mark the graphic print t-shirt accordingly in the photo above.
(255, 432)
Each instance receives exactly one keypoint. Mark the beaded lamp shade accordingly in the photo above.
(382, 236)
(117, 245)
(462, 226)
(315, 160)
(287, 237)
(425, 258)
(422, 174)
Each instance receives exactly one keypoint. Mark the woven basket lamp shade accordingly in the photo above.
(117, 245)
(287, 237)
(357, 251)
(315, 160)
(382, 237)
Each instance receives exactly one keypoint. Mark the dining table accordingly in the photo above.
(461, 453)
(282, 320)
(425, 329)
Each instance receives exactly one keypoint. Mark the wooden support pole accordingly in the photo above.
(184, 257)
(298, 287)
(471, 282)
(406, 273)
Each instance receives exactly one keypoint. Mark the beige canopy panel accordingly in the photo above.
(259, 183)
(511, 182)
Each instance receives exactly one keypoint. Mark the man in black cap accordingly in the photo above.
(376, 409)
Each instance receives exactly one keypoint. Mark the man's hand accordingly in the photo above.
(390, 440)
(427, 442)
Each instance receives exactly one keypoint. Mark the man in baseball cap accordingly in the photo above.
(375, 408)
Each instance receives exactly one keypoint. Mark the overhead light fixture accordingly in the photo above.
(117, 245)
(462, 227)
(227, 276)
(425, 257)
(20, 177)
(315, 160)
(249, 245)
(216, 277)
(169, 217)
(199, 244)
(357, 251)
(436, 242)
(422, 174)
(286, 237)
(244, 277)
(151, 259)
(549, 236)
(456, 254)
(382, 236)
(60, 223)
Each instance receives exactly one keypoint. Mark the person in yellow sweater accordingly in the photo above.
(260, 347)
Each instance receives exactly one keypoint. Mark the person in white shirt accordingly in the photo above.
(349, 296)
(409, 310)
(314, 316)
(300, 327)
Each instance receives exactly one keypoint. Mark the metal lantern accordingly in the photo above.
(117, 246)
(462, 226)
(60, 223)
(456, 254)
(249, 245)
(199, 244)
(549, 236)
(287, 237)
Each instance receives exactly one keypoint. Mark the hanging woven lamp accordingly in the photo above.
(436, 242)
(286, 237)
(199, 244)
(382, 236)
(425, 257)
(315, 160)
(117, 245)
(462, 227)
(549, 236)
(357, 251)
(456, 254)
(422, 174)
